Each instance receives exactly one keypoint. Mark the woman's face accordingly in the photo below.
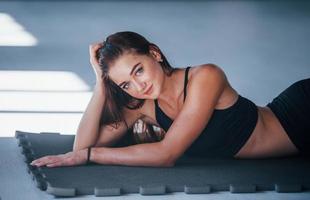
(141, 76)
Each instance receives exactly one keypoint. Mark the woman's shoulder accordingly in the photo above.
(208, 67)
(206, 71)
(202, 74)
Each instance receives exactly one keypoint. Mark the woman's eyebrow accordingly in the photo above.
(132, 70)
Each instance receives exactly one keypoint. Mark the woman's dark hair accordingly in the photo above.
(116, 99)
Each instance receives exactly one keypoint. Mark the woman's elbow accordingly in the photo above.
(162, 163)
(75, 147)
(167, 158)
(168, 164)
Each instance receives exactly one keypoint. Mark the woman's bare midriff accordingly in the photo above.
(268, 139)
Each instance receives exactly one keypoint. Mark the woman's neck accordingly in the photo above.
(172, 87)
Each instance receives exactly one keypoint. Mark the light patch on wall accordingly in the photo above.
(41, 81)
(44, 101)
(14, 34)
(64, 123)
(47, 101)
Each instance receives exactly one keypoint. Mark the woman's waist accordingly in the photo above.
(271, 128)
(227, 131)
(267, 132)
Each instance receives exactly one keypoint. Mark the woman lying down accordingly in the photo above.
(189, 110)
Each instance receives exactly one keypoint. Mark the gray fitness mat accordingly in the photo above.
(190, 175)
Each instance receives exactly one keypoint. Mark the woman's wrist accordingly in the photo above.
(99, 86)
(99, 83)
(88, 155)
(99, 79)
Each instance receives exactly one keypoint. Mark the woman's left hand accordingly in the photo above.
(69, 159)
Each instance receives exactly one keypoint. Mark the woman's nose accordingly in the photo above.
(139, 85)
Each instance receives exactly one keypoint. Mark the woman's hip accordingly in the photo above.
(292, 108)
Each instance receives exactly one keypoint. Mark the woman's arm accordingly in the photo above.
(204, 92)
(109, 135)
(145, 154)
(87, 132)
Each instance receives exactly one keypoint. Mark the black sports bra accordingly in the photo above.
(226, 132)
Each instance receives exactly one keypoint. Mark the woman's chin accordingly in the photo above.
(150, 97)
(154, 95)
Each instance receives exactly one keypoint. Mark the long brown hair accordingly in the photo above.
(116, 99)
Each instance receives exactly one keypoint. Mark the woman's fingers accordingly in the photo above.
(68, 159)
(38, 160)
(53, 165)
(45, 160)
(93, 48)
(58, 163)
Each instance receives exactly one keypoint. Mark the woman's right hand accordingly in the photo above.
(93, 48)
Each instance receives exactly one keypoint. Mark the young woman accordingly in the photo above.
(199, 111)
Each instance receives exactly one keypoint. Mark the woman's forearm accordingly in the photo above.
(88, 128)
(146, 154)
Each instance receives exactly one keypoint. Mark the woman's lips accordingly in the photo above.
(149, 91)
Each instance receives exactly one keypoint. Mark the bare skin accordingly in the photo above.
(268, 139)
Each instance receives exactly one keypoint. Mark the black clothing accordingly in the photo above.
(226, 132)
(292, 108)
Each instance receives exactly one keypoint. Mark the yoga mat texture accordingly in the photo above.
(192, 175)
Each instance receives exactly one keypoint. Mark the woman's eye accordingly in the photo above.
(124, 87)
(139, 70)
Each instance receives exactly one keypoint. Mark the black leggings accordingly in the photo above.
(292, 108)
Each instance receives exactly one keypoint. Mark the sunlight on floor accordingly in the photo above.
(41, 101)
(14, 34)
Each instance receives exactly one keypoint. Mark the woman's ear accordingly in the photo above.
(156, 54)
